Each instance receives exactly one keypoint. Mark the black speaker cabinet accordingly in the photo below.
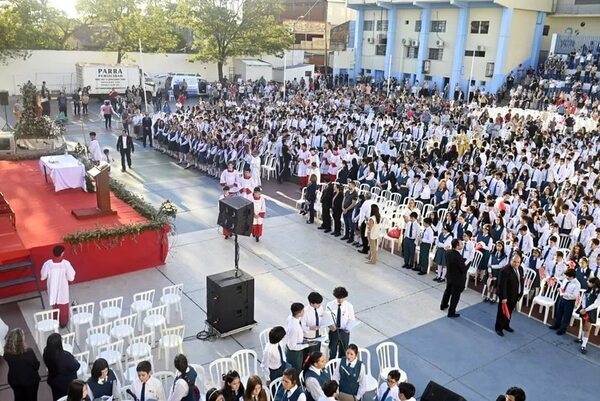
(236, 214)
(436, 392)
(3, 98)
(230, 301)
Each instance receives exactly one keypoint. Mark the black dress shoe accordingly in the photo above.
(560, 332)
(327, 231)
(578, 340)
(454, 315)
(256, 239)
(442, 307)
(362, 251)
(583, 350)
(345, 237)
(422, 273)
(321, 228)
(405, 266)
(510, 329)
(350, 240)
(309, 222)
(500, 333)
(553, 327)
(416, 269)
(337, 234)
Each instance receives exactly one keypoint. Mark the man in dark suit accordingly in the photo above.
(510, 290)
(337, 208)
(125, 147)
(146, 129)
(455, 278)
(326, 199)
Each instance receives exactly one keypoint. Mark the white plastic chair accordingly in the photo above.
(171, 295)
(332, 365)
(97, 336)
(300, 201)
(546, 299)
(201, 381)
(218, 368)
(472, 272)
(142, 301)
(130, 373)
(124, 327)
(365, 357)
(394, 223)
(527, 284)
(274, 387)
(166, 378)
(110, 309)
(45, 322)
(156, 318)
(271, 168)
(84, 364)
(264, 338)
(566, 253)
(246, 361)
(170, 338)
(140, 347)
(387, 359)
(564, 241)
(113, 353)
(576, 316)
(81, 315)
(68, 342)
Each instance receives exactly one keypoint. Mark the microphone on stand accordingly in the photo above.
(128, 391)
(337, 329)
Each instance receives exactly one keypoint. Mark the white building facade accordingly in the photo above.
(446, 42)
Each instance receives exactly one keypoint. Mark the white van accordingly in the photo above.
(196, 85)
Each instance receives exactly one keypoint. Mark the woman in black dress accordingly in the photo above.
(62, 366)
(23, 365)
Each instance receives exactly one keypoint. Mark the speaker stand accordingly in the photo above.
(7, 126)
(236, 256)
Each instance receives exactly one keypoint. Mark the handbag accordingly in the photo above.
(394, 233)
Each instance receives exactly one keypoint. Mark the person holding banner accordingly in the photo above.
(509, 290)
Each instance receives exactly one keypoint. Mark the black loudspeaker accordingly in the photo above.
(3, 98)
(435, 392)
(230, 300)
(236, 214)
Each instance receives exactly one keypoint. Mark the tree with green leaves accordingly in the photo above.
(224, 28)
(32, 24)
(128, 21)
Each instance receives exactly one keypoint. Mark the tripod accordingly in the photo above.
(7, 126)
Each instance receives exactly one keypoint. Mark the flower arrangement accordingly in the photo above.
(80, 149)
(168, 209)
(32, 125)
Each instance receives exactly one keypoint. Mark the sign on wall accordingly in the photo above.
(108, 78)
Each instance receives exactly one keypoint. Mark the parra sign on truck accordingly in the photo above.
(102, 78)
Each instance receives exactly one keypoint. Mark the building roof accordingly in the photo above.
(289, 67)
(255, 63)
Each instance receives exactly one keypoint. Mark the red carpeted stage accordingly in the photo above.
(43, 218)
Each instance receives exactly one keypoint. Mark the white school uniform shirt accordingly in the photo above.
(415, 229)
(392, 395)
(301, 397)
(323, 398)
(347, 312)
(312, 385)
(566, 221)
(294, 334)
(427, 236)
(569, 289)
(179, 389)
(58, 276)
(154, 389)
(309, 320)
(271, 358)
(527, 240)
(468, 251)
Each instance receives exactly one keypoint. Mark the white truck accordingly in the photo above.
(102, 78)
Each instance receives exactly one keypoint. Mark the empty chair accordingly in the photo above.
(472, 272)
(246, 361)
(274, 387)
(45, 322)
(218, 368)
(140, 347)
(301, 200)
(68, 342)
(387, 359)
(97, 336)
(123, 328)
(564, 241)
(170, 338)
(171, 295)
(113, 353)
(130, 373)
(81, 315)
(142, 301)
(110, 309)
(364, 355)
(166, 378)
(527, 284)
(201, 381)
(155, 318)
(84, 364)
(546, 299)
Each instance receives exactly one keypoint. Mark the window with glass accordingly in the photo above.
(489, 69)
(438, 26)
(481, 27)
(412, 52)
(436, 54)
(418, 26)
(382, 25)
(368, 25)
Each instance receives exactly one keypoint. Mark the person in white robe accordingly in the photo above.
(260, 210)
(58, 273)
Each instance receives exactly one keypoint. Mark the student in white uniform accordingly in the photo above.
(315, 376)
(330, 390)
(388, 391)
(273, 358)
(290, 389)
(146, 387)
(295, 337)
(426, 241)
(350, 373)
(342, 313)
(406, 392)
(312, 319)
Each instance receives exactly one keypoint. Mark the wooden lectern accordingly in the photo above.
(101, 178)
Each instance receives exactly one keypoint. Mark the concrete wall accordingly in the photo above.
(296, 72)
(443, 68)
(489, 41)
(521, 39)
(559, 25)
(371, 61)
(406, 31)
(57, 67)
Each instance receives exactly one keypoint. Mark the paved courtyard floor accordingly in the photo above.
(294, 258)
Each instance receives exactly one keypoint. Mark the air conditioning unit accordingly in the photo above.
(439, 43)
(480, 48)
(414, 43)
(370, 40)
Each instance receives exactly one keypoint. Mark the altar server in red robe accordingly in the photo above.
(58, 272)
(260, 210)
(231, 178)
